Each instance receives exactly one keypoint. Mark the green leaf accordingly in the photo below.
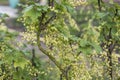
(73, 38)
(85, 50)
(32, 13)
(83, 43)
(101, 14)
(97, 47)
(63, 30)
(21, 62)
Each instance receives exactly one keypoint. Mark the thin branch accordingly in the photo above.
(41, 48)
(51, 3)
(50, 19)
(33, 58)
(116, 12)
(99, 5)
(44, 26)
(46, 52)
(109, 54)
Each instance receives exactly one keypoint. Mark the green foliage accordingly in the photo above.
(15, 63)
(66, 48)
(78, 51)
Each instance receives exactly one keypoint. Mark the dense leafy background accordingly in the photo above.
(81, 40)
